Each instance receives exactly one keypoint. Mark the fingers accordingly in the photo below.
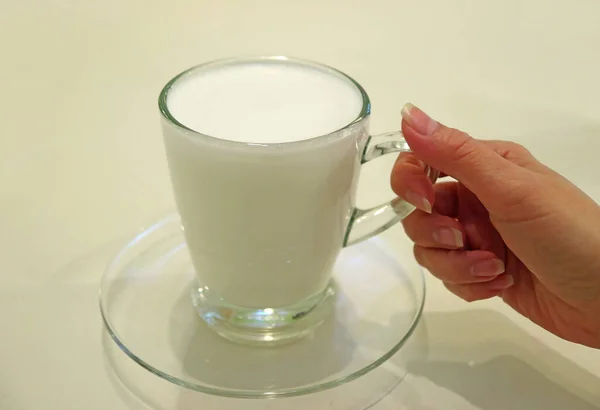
(493, 176)
(433, 231)
(446, 199)
(470, 275)
(409, 181)
(474, 163)
(476, 224)
(481, 291)
(460, 267)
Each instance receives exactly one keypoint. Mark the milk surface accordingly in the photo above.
(264, 102)
(264, 226)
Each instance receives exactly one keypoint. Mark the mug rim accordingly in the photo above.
(170, 118)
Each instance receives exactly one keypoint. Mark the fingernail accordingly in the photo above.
(448, 237)
(501, 282)
(488, 268)
(419, 201)
(417, 119)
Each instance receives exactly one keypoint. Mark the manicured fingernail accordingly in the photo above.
(417, 119)
(448, 237)
(501, 282)
(488, 268)
(419, 201)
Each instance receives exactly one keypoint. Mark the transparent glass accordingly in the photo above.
(366, 223)
(363, 349)
(265, 223)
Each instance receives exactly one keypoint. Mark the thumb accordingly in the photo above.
(473, 163)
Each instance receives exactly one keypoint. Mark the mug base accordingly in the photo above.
(267, 326)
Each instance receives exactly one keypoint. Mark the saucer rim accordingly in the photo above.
(240, 393)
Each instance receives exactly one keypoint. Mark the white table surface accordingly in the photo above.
(82, 166)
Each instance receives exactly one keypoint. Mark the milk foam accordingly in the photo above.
(271, 101)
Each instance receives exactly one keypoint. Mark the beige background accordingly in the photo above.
(82, 165)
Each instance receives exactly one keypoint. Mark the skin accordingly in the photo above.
(508, 227)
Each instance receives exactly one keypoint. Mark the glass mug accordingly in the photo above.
(265, 221)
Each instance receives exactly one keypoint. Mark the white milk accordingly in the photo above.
(265, 102)
(264, 224)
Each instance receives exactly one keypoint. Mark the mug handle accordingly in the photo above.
(365, 223)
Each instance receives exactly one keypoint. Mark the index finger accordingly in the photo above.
(410, 182)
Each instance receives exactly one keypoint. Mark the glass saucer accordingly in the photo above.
(146, 305)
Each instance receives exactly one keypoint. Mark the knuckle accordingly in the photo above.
(461, 145)
(406, 168)
(463, 292)
(419, 257)
(513, 152)
(407, 161)
(516, 152)
(405, 157)
(414, 225)
(517, 148)
(410, 233)
(397, 181)
(468, 297)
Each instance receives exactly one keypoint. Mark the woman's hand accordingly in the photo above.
(509, 227)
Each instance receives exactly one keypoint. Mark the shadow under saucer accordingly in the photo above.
(480, 359)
